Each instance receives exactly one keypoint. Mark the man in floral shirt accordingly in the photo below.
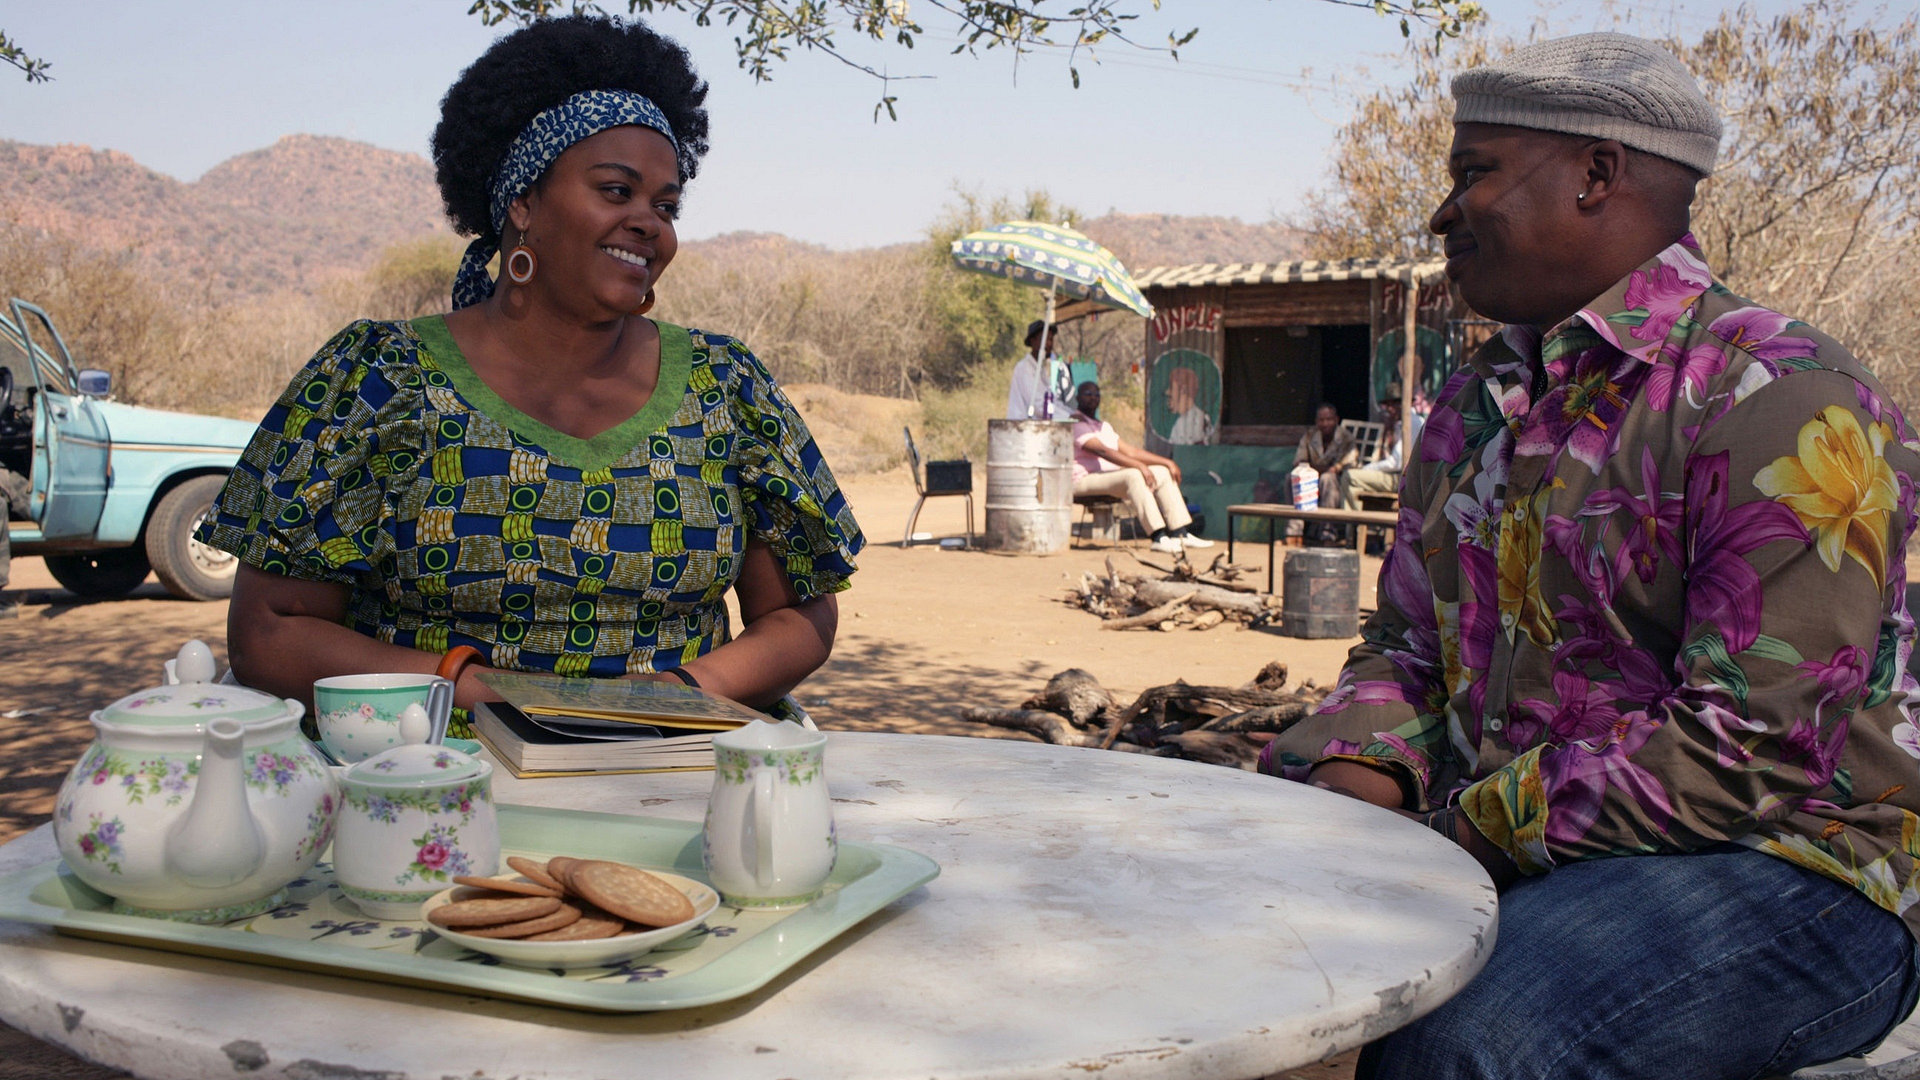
(1642, 646)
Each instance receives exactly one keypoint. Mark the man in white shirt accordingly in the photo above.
(1026, 397)
(1382, 474)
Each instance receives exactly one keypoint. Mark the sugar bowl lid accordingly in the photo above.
(192, 698)
(418, 764)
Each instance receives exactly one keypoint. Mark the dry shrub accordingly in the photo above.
(854, 320)
(857, 433)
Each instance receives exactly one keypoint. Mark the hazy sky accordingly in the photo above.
(1238, 127)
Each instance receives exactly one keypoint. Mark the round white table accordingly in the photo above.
(1097, 913)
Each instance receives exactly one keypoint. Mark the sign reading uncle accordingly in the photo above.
(1200, 316)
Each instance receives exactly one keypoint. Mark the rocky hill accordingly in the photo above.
(296, 214)
(309, 209)
(1146, 240)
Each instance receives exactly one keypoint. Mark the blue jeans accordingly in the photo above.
(1724, 963)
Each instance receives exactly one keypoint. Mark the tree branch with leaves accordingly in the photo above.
(12, 53)
(768, 31)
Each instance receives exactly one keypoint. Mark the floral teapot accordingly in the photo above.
(196, 801)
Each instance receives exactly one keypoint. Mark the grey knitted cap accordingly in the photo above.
(1607, 86)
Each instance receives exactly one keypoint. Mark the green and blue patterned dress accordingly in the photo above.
(455, 519)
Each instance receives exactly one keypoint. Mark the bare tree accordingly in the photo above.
(1812, 209)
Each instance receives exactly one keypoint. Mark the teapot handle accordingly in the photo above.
(763, 827)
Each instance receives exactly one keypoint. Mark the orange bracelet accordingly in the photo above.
(456, 661)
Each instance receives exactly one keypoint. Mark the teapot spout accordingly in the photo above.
(217, 842)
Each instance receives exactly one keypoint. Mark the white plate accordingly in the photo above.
(572, 954)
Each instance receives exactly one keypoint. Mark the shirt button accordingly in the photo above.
(1519, 513)
(1494, 723)
(1506, 619)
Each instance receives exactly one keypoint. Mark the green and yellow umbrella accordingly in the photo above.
(1054, 258)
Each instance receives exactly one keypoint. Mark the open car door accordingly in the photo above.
(70, 441)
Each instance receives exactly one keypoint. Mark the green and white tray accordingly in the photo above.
(732, 954)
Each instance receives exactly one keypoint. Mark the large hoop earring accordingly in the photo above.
(520, 253)
(646, 304)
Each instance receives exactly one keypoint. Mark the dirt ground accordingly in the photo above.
(924, 632)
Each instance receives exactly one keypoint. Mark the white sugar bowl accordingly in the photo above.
(414, 817)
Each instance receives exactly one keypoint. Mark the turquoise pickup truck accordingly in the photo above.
(111, 490)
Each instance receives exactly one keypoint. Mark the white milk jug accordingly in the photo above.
(770, 841)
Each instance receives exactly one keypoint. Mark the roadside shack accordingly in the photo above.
(1238, 356)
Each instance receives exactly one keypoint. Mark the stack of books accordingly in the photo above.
(552, 726)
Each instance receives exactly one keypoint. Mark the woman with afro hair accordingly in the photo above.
(543, 475)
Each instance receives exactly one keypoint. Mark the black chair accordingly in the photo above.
(937, 478)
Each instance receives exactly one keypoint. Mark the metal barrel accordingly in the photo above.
(1320, 593)
(1029, 486)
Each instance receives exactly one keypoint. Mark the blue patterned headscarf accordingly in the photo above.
(585, 114)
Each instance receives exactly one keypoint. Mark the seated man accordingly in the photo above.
(1326, 448)
(1103, 465)
(1382, 474)
(1643, 653)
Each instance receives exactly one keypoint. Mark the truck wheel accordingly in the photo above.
(188, 568)
(100, 574)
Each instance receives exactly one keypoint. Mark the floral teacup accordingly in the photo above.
(413, 818)
(360, 715)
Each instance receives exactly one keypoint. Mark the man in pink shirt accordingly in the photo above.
(1103, 465)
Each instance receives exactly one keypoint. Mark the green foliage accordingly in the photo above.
(955, 417)
(978, 318)
(11, 53)
(768, 31)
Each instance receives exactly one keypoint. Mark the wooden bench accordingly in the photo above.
(1273, 512)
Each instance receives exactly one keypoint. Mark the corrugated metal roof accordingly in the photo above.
(1173, 277)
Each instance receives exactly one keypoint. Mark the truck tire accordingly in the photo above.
(100, 575)
(189, 569)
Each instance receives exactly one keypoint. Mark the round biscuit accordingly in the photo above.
(565, 916)
(591, 925)
(507, 885)
(630, 893)
(492, 912)
(535, 871)
(559, 867)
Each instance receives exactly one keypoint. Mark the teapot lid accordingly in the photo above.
(417, 764)
(193, 704)
(192, 698)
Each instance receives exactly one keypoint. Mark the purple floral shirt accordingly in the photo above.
(1661, 607)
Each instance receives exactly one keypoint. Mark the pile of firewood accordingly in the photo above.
(1220, 725)
(1179, 597)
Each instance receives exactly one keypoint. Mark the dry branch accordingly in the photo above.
(1074, 694)
(1048, 726)
(1150, 617)
(1207, 596)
